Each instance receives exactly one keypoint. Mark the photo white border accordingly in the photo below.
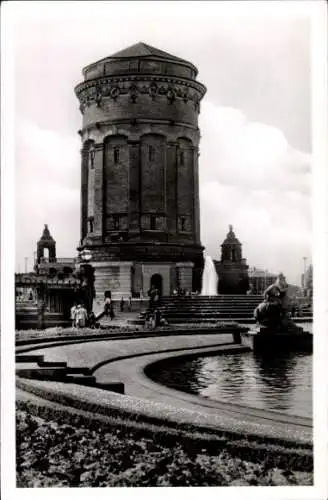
(318, 11)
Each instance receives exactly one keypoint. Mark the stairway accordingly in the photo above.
(207, 309)
(33, 366)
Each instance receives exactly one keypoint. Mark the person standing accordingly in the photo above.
(81, 316)
(111, 311)
(107, 303)
(73, 314)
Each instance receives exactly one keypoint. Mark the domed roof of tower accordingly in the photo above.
(231, 238)
(46, 236)
(142, 49)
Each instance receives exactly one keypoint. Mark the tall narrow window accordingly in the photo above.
(92, 153)
(151, 153)
(116, 222)
(90, 220)
(183, 224)
(153, 220)
(181, 158)
(116, 155)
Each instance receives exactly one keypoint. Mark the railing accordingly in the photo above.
(60, 260)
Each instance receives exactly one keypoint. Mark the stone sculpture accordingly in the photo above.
(272, 314)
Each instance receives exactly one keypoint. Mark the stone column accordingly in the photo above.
(84, 192)
(196, 209)
(134, 187)
(112, 276)
(98, 190)
(171, 188)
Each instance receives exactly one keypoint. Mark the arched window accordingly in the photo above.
(181, 158)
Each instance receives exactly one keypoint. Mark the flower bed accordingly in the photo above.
(60, 332)
(57, 454)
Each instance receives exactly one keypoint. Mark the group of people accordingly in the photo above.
(180, 292)
(153, 319)
(80, 317)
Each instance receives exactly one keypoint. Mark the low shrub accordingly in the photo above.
(53, 454)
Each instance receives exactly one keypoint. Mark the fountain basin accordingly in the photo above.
(266, 340)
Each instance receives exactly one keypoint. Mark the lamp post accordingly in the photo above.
(87, 280)
(304, 271)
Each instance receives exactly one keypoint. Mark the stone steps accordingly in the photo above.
(29, 366)
(202, 309)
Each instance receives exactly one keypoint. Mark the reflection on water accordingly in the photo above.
(282, 382)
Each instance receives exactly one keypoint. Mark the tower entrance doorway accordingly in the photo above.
(156, 281)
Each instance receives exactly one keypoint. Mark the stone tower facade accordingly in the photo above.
(139, 177)
(232, 268)
(46, 242)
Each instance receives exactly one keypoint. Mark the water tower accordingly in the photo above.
(139, 170)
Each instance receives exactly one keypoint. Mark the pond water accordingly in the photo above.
(280, 383)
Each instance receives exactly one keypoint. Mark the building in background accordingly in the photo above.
(232, 269)
(260, 279)
(46, 262)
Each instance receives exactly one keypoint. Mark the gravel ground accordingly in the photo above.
(53, 455)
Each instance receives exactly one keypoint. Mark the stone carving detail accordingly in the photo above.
(170, 95)
(153, 90)
(133, 93)
(114, 92)
(113, 88)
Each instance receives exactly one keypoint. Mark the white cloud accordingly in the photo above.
(250, 177)
(47, 190)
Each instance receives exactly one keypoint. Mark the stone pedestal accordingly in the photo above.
(112, 276)
(151, 269)
(185, 275)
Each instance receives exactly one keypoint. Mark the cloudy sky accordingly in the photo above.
(256, 153)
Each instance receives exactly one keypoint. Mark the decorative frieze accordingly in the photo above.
(112, 88)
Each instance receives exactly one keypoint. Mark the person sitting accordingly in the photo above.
(157, 318)
(92, 320)
(148, 320)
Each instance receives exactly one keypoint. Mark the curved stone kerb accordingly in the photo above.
(259, 422)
